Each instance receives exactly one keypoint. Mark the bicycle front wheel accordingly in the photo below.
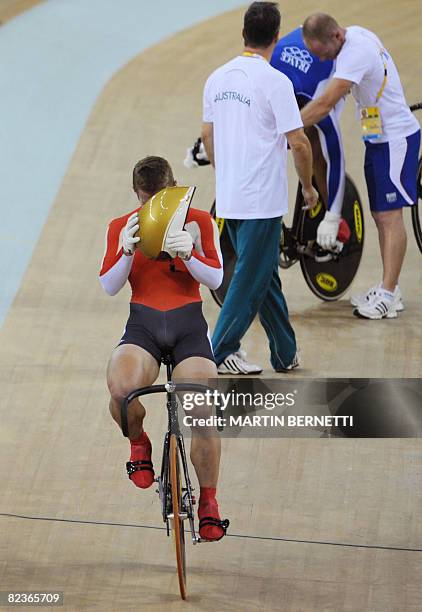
(417, 209)
(177, 520)
(229, 259)
(329, 280)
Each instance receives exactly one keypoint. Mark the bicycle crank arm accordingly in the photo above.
(309, 250)
(306, 249)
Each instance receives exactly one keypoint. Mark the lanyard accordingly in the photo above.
(249, 54)
(384, 82)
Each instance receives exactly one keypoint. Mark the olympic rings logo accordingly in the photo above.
(300, 54)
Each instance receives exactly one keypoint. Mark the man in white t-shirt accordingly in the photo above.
(250, 113)
(391, 135)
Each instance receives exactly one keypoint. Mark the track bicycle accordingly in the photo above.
(417, 208)
(328, 274)
(174, 485)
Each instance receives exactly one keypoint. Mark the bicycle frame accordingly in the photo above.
(416, 209)
(170, 388)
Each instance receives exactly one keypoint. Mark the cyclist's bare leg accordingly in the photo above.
(205, 453)
(393, 242)
(205, 447)
(129, 368)
(320, 165)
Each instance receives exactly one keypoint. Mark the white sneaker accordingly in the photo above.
(382, 305)
(364, 298)
(295, 363)
(361, 299)
(398, 299)
(236, 364)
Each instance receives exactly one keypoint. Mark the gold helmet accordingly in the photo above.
(164, 212)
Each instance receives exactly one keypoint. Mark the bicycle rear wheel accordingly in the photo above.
(417, 209)
(177, 521)
(229, 259)
(330, 280)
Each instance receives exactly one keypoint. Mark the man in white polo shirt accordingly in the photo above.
(250, 113)
(391, 135)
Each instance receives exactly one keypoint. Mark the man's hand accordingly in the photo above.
(311, 197)
(328, 230)
(128, 237)
(179, 243)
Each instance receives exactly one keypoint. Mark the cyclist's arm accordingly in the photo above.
(116, 266)
(302, 155)
(206, 262)
(207, 137)
(320, 107)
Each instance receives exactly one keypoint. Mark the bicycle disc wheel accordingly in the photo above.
(177, 522)
(417, 209)
(229, 259)
(330, 280)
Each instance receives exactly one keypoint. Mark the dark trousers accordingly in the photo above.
(255, 289)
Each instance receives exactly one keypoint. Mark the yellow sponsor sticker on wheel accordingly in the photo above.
(358, 221)
(220, 224)
(327, 282)
(314, 212)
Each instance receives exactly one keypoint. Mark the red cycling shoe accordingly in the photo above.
(140, 469)
(211, 527)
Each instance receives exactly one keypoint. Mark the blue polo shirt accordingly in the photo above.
(305, 70)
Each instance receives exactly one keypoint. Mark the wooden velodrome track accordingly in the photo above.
(63, 458)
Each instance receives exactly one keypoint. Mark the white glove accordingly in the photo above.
(192, 156)
(328, 230)
(202, 154)
(128, 237)
(179, 243)
(189, 162)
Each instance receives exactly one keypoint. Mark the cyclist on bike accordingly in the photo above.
(309, 77)
(391, 135)
(165, 317)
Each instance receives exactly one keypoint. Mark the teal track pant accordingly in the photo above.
(255, 289)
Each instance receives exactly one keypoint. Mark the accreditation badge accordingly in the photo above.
(370, 121)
